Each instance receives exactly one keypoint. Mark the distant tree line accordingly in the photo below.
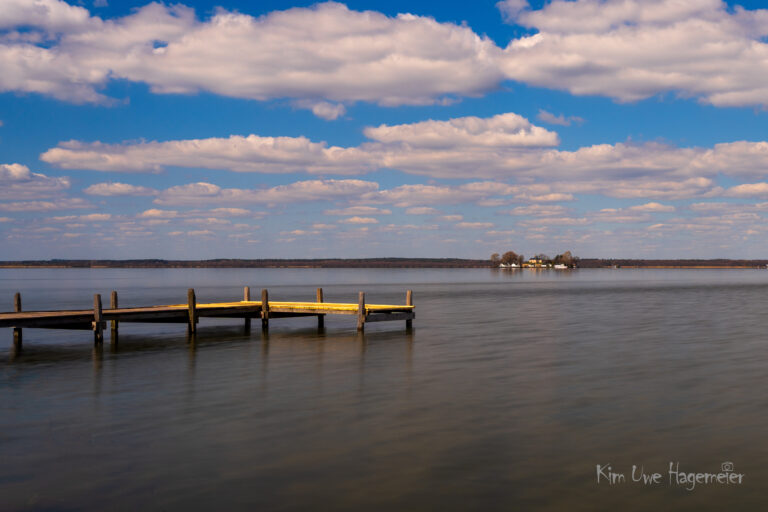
(256, 263)
(670, 263)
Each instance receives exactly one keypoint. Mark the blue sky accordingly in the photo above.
(426, 129)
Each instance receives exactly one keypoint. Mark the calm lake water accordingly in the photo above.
(509, 391)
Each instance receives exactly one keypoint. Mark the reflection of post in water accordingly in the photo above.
(191, 360)
(98, 357)
(113, 339)
(409, 343)
(320, 344)
(409, 358)
(265, 341)
(362, 340)
(98, 361)
(264, 361)
(192, 345)
(15, 353)
(363, 343)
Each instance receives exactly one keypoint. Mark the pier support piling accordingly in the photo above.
(320, 318)
(17, 337)
(361, 312)
(264, 310)
(98, 320)
(113, 323)
(247, 298)
(409, 302)
(192, 305)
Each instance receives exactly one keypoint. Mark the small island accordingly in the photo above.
(511, 260)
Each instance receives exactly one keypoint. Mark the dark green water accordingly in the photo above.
(509, 391)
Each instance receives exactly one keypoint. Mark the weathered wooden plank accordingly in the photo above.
(312, 311)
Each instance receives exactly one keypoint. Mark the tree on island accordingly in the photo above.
(506, 259)
(510, 257)
(566, 259)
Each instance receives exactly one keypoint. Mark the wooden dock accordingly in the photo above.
(190, 313)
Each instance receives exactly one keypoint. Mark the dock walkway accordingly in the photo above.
(190, 313)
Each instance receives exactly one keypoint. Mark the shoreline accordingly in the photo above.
(329, 263)
(426, 266)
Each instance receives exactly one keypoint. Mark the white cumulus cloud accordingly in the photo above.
(325, 52)
(633, 49)
(301, 191)
(118, 189)
(18, 182)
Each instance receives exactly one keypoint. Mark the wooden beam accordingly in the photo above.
(247, 297)
(17, 337)
(361, 312)
(74, 326)
(409, 302)
(387, 317)
(113, 305)
(264, 309)
(320, 318)
(192, 309)
(98, 322)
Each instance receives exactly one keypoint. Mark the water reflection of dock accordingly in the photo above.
(190, 313)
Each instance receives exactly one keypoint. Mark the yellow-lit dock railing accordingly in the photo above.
(190, 313)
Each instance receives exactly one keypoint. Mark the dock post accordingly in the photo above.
(98, 325)
(17, 338)
(361, 312)
(247, 298)
(264, 310)
(320, 318)
(192, 304)
(409, 302)
(113, 323)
